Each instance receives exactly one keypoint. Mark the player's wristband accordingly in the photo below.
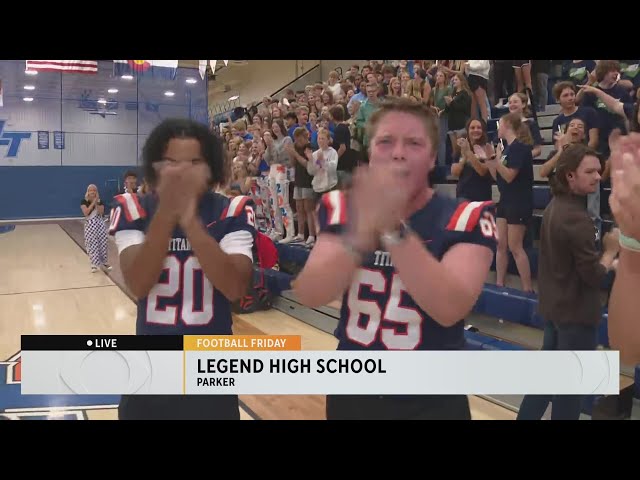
(629, 243)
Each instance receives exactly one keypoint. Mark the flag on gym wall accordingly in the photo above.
(1, 98)
(65, 66)
(165, 69)
(202, 68)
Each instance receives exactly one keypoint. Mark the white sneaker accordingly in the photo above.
(287, 240)
(310, 241)
(94, 269)
(107, 267)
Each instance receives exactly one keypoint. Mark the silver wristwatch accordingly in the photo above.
(396, 237)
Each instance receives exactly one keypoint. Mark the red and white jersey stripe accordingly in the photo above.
(236, 206)
(335, 203)
(131, 206)
(466, 216)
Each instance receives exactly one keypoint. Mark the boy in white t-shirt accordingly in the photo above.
(324, 165)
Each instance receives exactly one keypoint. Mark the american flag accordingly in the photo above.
(66, 66)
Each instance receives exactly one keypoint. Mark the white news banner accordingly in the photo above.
(102, 372)
(320, 372)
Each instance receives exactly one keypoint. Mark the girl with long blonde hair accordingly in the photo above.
(95, 230)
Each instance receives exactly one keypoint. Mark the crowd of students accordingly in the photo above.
(287, 152)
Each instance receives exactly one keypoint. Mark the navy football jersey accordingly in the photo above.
(377, 313)
(184, 302)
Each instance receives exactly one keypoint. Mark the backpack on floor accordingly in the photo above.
(258, 297)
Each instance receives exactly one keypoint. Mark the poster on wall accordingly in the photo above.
(43, 140)
(58, 140)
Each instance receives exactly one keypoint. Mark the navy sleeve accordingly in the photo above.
(590, 117)
(341, 136)
(240, 216)
(516, 156)
(589, 100)
(128, 213)
(473, 222)
(624, 96)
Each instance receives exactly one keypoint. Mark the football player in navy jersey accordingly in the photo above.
(185, 253)
(408, 262)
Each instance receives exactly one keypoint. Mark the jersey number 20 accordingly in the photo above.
(181, 274)
(393, 312)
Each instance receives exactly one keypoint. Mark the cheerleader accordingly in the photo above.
(95, 230)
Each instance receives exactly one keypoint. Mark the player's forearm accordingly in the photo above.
(320, 282)
(624, 328)
(227, 273)
(142, 267)
(430, 284)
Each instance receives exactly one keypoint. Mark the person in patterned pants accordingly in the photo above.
(95, 230)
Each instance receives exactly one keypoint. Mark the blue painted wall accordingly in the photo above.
(44, 173)
(49, 192)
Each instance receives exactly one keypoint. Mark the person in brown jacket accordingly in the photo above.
(570, 272)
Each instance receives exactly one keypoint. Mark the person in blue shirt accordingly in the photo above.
(512, 169)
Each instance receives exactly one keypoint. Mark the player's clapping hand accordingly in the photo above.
(625, 184)
(363, 216)
(173, 188)
(463, 143)
(380, 198)
(196, 178)
(493, 160)
(392, 202)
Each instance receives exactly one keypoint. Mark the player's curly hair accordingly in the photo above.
(211, 147)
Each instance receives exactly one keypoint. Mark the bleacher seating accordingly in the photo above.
(507, 304)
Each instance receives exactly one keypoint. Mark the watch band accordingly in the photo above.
(391, 239)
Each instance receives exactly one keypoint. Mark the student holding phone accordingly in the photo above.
(512, 168)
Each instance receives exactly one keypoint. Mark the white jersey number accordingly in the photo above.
(488, 226)
(184, 274)
(393, 312)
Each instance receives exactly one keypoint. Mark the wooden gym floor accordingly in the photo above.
(47, 287)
